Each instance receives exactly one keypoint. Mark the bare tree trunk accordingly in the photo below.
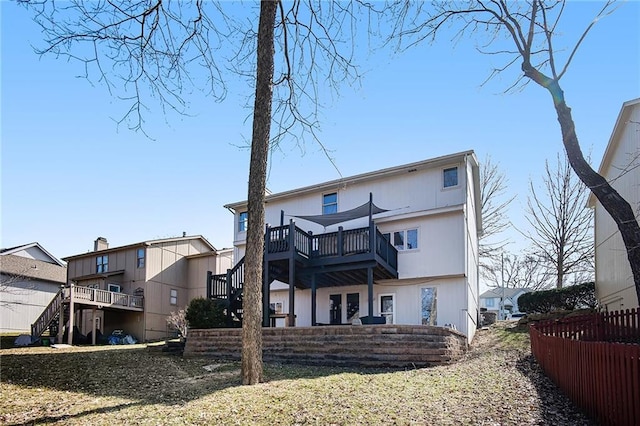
(252, 293)
(613, 203)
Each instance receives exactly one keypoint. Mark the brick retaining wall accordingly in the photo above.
(366, 345)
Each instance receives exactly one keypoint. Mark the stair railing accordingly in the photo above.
(48, 315)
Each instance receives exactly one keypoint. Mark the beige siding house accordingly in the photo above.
(420, 250)
(29, 277)
(621, 167)
(134, 287)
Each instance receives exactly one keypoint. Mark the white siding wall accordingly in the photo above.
(447, 254)
(615, 288)
(407, 297)
(22, 302)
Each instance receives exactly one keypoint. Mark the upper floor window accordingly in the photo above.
(173, 297)
(450, 177)
(140, 258)
(489, 302)
(102, 264)
(404, 240)
(330, 203)
(114, 288)
(243, 218)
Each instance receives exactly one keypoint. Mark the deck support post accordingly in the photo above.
(71, 319)
(61, 317)
(292, 289)
(93, 327)
(370, 291)
(266, 299)
(229, 289)
(313, 300)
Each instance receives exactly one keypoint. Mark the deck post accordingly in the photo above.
(93, 327)
(313, 300)
(340, 241)
(209, 275)
(61, 317)
(229, 284)
(71, 308)
(370, 291)
(292, 287)
(266, 302)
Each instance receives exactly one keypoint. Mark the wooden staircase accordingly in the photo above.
(49, 319)
(228, 289)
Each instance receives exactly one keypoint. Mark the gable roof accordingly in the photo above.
(614, 140)
(34, 249)
(509, 293)
(143, 244)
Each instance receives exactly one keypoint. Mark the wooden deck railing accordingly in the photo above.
(595, 360)
(103, 297)
(48, 315)
(331, 244)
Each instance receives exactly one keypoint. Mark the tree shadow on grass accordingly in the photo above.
(555, 406)
(137, 374)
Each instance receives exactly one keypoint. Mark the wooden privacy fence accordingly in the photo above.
(595, 360)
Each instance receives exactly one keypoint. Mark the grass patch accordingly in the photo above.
(139, 385)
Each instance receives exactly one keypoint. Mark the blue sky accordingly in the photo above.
(70, 174)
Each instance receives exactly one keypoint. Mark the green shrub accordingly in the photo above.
(567, 298)
(206, 313)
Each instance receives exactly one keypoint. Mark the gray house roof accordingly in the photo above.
(32, 269)
(509, 293)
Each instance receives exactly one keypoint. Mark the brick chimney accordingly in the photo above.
(100, 244)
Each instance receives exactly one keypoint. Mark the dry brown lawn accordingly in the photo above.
(497, 383)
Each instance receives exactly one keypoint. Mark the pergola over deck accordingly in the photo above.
(310, 261)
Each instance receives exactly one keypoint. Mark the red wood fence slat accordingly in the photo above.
(595, 360)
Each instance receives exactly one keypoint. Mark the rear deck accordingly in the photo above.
(307, 261)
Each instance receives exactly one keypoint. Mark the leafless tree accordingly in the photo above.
(520, 271)
(562, 224)
(494, 205)
(13, 285)
(524, 33)
(149, 51)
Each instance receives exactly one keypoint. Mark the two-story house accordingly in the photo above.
(29, 277)
(132, 288)
(620, 166)
(398, 246)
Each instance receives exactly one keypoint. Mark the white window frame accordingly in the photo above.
(140, 260)
(435, 289)
(114, 288)
(489, 302)
(405, 232)
(243, 221)
(325, 204)
(173, 297)
(386, 314)
(444, 170)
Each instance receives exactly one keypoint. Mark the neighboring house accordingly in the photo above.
(398, 245)
(492, 299)
(620, 166)
(29, 277)
(134, 287)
